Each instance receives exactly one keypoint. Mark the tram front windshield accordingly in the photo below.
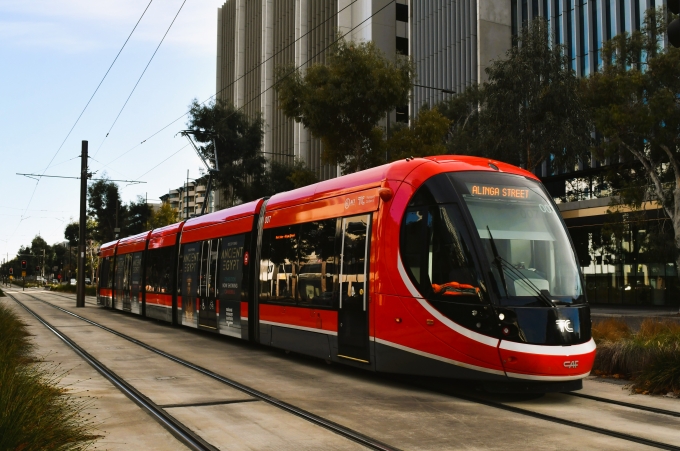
(531, 257)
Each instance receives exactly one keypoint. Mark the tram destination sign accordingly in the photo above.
(508, 192)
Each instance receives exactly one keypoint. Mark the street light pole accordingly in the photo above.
(80, 283)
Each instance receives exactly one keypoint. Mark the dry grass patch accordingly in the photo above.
(649, 357)
(36, 413)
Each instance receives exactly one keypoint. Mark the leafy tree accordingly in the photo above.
(281, 177)
(530, 110)
(138, 215)
(425, 137)
(239, 145)
(300, 175)
(636, 107)
(161, 218)
(462, 110)
(103, 199)
(341, 102)
(72, 233)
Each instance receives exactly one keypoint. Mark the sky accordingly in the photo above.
(53, 54)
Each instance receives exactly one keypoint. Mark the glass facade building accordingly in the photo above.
(583, 25)
(628, 260)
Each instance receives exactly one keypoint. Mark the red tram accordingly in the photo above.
(448, 266)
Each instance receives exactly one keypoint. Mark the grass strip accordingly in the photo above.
(36, 413)
(90, 290)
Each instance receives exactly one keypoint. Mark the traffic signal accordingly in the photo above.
(37, 268)
(23, 264)
(674, 27)
(11, 271)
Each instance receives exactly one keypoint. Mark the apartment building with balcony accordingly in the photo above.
(188, 199)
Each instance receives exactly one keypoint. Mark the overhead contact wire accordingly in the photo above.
(140, 77)
(235, 81)
(82, 112)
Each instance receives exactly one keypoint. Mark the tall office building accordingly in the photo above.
(450, 42)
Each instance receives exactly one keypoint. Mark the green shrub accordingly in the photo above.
(15, 347)
(35, 412)
(650, 357)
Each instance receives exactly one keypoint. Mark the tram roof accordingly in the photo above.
(222, 216)
(134, 243)
(402, 170)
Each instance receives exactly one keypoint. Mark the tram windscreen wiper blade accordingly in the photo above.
(499, 260)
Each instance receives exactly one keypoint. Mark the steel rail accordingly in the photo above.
(343, 431)
(177, 429)
(626, 404)
(495, 404)
(550, 418)
(579, 395)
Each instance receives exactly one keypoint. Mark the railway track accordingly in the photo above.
(176, 428)
(192, 440)
(444, 389)
(566, 422)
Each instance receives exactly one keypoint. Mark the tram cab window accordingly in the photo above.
(523, 234)
(437, 258)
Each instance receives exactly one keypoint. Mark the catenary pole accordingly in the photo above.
(80, 283)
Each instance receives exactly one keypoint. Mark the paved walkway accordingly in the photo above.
(635, 315)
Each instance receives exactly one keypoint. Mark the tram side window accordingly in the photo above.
(438, 259)
(104, 272)
(110, 275)
(159, 270)
(136, 276)
(278, 268)
(120, 272)
(354, 253)
(317, 281)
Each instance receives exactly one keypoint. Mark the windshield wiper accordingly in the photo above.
(501, 262)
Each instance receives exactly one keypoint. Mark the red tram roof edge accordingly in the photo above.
(167, 230)
(221, 216)
(134, 243)
(108, 249)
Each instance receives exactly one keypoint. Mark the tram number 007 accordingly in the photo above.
(546, 208)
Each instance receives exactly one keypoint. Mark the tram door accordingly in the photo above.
(353, 300)
(207, 290)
